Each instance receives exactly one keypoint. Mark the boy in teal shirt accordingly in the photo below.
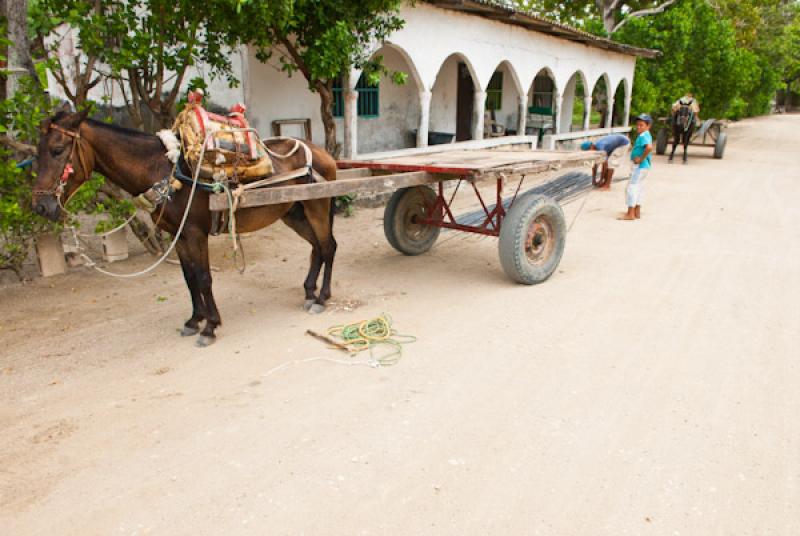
(640, 154)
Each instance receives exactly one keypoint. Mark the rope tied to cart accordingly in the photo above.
(370, 334)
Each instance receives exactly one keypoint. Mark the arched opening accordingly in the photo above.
(502, 108)
(573, 114)
(542, 104)
(618, 118)
(599, 110)
(452, 101)
(389, 113)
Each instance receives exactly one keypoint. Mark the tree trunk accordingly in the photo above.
(326, 110)
(609, 20)
(19, 50)
(3, 51)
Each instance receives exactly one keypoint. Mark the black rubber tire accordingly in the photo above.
(532, 239)
(719, 146)
(402, 232)
(661, 141)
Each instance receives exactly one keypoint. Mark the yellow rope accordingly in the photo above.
(367, 334)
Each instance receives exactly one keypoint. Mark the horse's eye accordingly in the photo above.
(55, 151)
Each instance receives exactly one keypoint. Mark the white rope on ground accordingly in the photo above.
(371, 364)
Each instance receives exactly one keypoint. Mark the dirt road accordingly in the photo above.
(652, 386)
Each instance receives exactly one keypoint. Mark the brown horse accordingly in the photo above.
(71, 147)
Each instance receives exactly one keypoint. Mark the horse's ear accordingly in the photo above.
(44, 126)
(66, 107)
(74, 120)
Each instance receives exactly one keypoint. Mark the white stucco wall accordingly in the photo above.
(444, 97)
(429, 47)
(272, 94)
(398, 110)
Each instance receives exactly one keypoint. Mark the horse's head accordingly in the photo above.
(61, 163)
(683, 116)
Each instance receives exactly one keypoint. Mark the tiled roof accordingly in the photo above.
(507, 15)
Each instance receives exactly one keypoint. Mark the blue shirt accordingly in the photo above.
(611, 143)
(644, 139)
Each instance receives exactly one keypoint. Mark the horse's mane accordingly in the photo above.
(125, 131)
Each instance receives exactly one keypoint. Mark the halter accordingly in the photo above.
(57, 189)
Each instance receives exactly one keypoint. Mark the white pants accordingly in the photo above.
(633, 193)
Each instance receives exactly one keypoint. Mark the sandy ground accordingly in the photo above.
(651, 386)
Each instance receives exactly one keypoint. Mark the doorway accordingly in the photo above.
(465, 101)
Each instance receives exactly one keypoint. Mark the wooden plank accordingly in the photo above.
(353, 173)
(388, 166)
(301, 192)
(468, 163)
(529, 142)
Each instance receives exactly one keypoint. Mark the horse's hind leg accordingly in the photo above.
(297, 221)
(319, 213)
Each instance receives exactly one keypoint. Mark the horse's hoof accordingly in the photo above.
(685, 162)
(308, 304)
(205, 340)
(316, 308)
(189, 332)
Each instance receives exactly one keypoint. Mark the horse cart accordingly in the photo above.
(530, 227)
(710, 134)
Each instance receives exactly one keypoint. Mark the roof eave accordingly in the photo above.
(539, 24)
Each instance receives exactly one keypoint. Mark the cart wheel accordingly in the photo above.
(719, 147)
(532, 239)
(661, 141)
(400, 220)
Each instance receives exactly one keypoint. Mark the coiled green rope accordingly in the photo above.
(368, 334)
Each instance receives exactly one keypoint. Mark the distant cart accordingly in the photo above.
(710, 134)
(531, 227)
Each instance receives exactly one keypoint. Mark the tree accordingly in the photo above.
(322, 39)
(144, 47)
(612, 14)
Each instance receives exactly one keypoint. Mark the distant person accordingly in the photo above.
(640, 155)
(691, 102)
(607, 144)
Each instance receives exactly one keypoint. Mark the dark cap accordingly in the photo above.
(645, 117)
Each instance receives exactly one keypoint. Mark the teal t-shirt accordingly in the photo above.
(639, 145)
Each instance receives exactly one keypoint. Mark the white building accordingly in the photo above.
(462, 57)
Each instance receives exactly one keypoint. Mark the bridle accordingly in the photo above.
(57, 189)
(684, 116)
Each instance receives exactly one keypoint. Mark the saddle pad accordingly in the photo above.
(228, 153)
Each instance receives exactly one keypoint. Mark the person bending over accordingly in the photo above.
(607, 144)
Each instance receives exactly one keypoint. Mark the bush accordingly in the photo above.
(19, 115)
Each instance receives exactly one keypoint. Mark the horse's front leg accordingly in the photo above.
(675, 141)
(193, 252)
(192, 326)
(687, 136)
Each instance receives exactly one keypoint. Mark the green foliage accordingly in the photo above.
(734, 54)
(345, 204)
(700, 54)
(144, 46)
(19, 116)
